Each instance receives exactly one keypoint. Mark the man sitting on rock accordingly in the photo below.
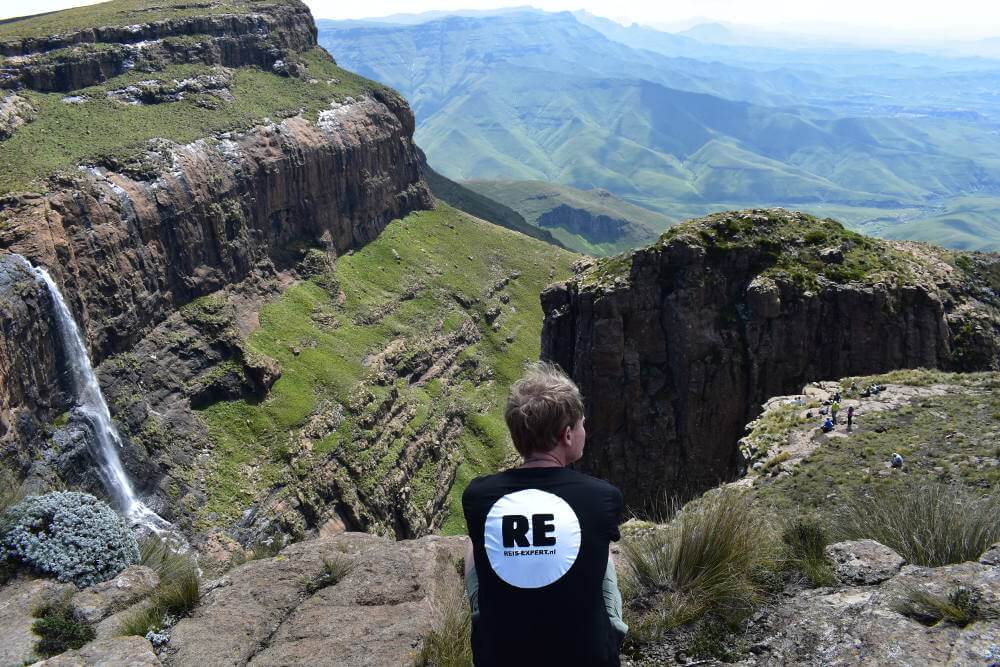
(538, 568)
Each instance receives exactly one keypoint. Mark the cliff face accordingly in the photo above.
(78, 58)
(128, 252)
(145, 227)
(677, 346)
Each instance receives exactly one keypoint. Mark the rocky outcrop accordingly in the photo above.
(15, 111)
(18, 600)
(861, 625)
(75, 59)
(95, 603)
(863, 562)
(29, 355)
(289, 610)
(678, 345)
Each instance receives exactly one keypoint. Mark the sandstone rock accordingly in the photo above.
(114, 652)
(97, 602)
(863, 562)
(18, 599)
(864, 626)
(991, 556)
(267, 612)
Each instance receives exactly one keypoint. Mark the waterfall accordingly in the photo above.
(91, 404)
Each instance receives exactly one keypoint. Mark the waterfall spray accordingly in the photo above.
(91, 404)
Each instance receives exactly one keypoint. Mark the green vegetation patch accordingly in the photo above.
(58, 628)
(99, 130)
(425, 275)
(791, 246)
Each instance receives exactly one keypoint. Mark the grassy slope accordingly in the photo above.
(481, 206)
(64, 135)
(953, 438)
(120, 12)
(253, 439)
(532, 199)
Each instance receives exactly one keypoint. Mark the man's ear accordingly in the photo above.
(564, 435)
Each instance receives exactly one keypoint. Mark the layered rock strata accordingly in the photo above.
(129, 250)
(677, 345)
(268, 33)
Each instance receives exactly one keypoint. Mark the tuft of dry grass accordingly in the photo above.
(178, 593)
(930, 524)
(806, 540)
(715, 557)
(961, 607)
(450, 642)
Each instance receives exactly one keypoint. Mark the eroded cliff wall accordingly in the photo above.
(145, 226)
(676, 346)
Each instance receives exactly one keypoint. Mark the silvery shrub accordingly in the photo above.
(73, 536)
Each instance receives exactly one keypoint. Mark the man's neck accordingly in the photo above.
(545, 460)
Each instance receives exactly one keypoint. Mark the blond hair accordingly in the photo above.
(540, 406)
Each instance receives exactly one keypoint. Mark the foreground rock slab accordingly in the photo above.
(287, 610)
(99, 601)
(114, 652)
(864, 625)
(18, 600)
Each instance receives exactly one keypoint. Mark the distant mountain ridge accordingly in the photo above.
(529, 95)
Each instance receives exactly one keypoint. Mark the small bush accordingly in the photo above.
(806, 540)
(142, 621)
(714, 558)
(58, 629)
(930, 524)
(961, 607)
(334, 569)
(74, 536)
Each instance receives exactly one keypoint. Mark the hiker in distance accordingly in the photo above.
(539, 573)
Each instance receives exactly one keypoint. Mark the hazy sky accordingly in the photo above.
(924, 18)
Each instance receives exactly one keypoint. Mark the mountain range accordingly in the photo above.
(898, 144)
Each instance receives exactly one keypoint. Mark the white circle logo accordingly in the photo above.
(532, 538)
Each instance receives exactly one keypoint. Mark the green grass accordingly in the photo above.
(119, 12)
(782, 245)
(806, 540)
(334, 569)
(254, 441)
(960, 607)
(715, 558)
(178, 592)
(929, 524)
(58, 629)
(950, 439)
(449, 643)
(101, 130)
